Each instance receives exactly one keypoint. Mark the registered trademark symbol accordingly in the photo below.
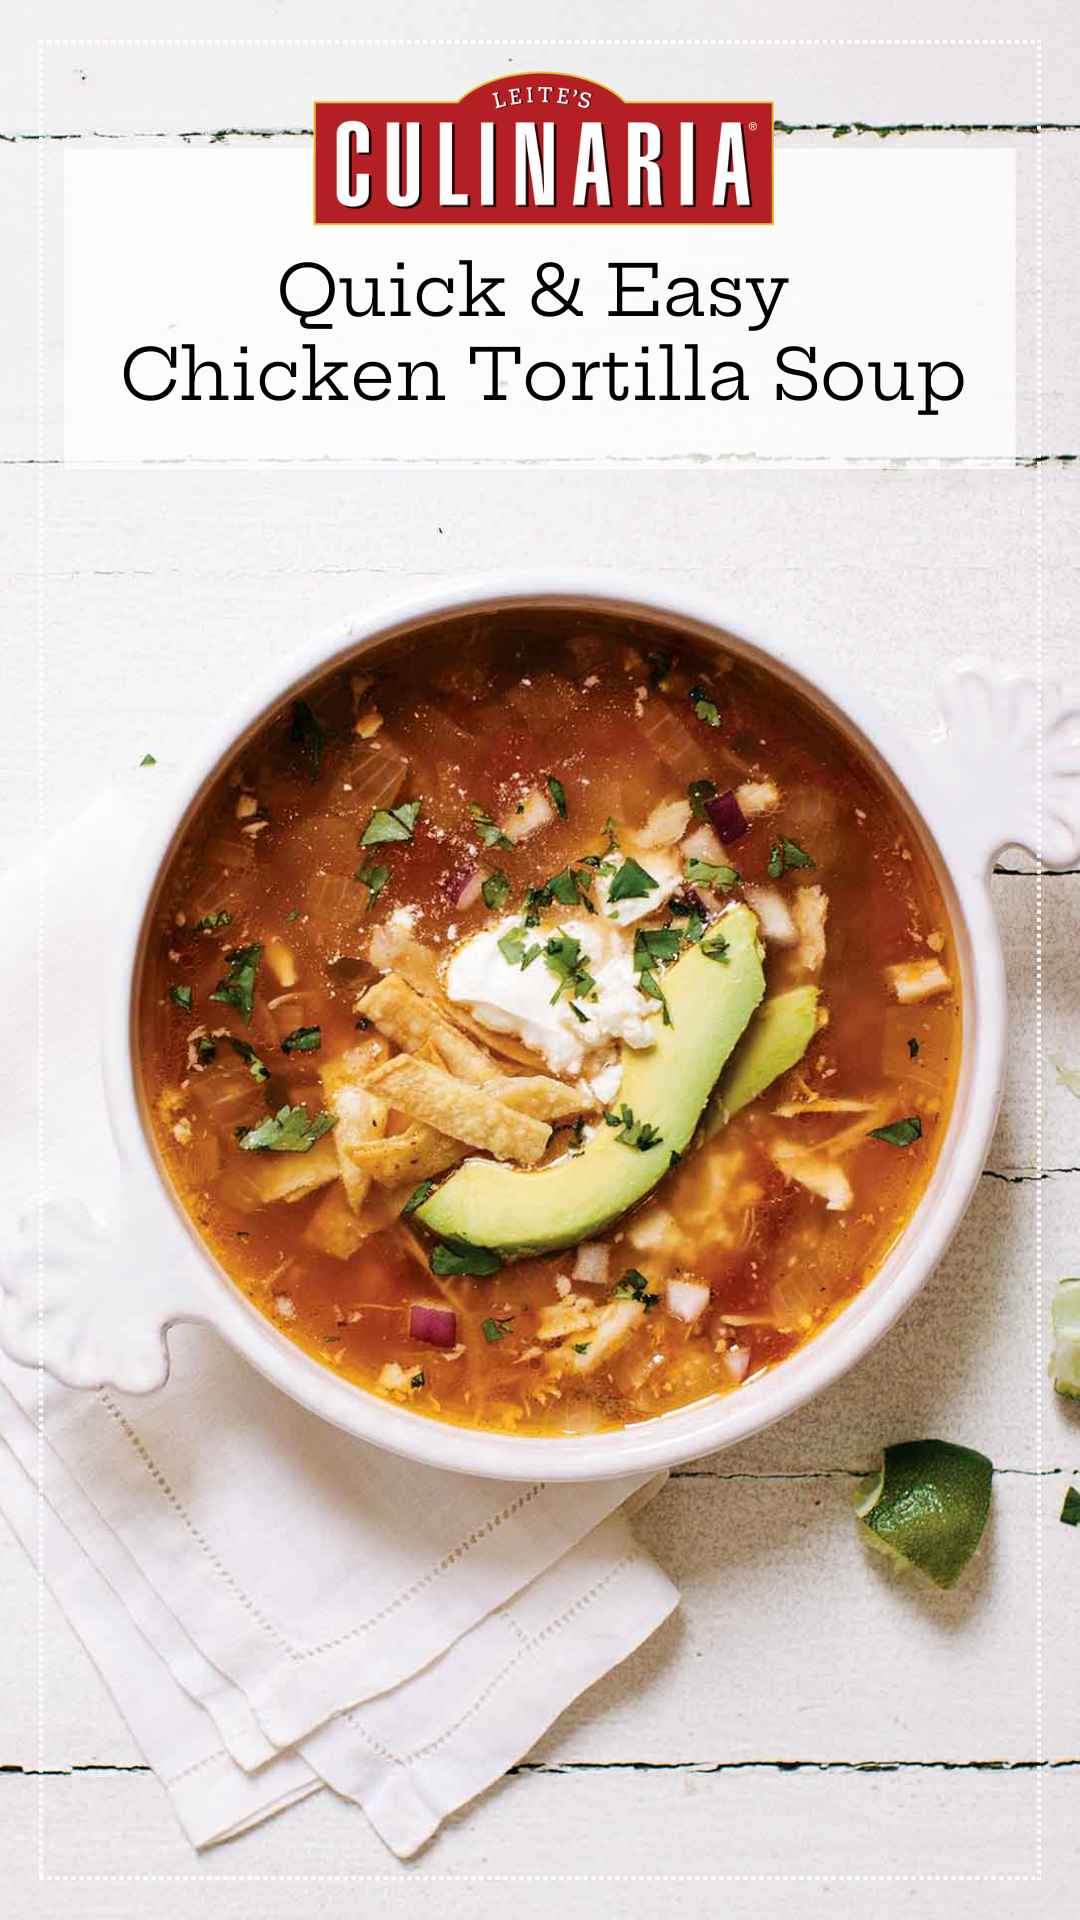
(752, 126)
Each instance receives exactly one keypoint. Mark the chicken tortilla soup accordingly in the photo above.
(547, 1024)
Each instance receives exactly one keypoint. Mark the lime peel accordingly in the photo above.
(927, 1507)
(1065, 1323)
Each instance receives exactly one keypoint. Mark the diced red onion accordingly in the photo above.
(462, 885)
(727, 817)
(435, 1325)
(690, 897)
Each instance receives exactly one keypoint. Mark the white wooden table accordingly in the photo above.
(806, 1730)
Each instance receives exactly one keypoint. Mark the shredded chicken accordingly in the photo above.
(809, 909)
(666, 823)
(816, 1172)
(757, 796)
(777, 925)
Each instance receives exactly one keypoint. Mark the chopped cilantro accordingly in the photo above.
(496, 1330)
(715, 947)
(913, 1049)
(695, 925)
(705, 873)
(496, 890)
(290, 1130)
(293, 914)
(1070, 1512)
(257, 1068)
(210, 922)
(390, 824)
(558, 795)
(417, 1380)
(238, 987)
(491, 834)
(205, 1049)
(704, 706)
(513, 949)
(182, 997)
(633, 1133)
(417, 1197)
(632, 882)
(374, 878)
(654, 946)
(460, 1256)
(564, 958)
(634, 1286)
(899, 1133)
(571, 888)
(306, 733)
(148, 760)
(536, 899)
(302, 1040)
(784, 854)
(697, 793)
(650, 986)
(582, 1346)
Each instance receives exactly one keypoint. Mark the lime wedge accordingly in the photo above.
(927, 1507)
(1065, 1322)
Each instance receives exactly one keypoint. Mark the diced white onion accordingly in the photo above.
(687, 1299)
(536, 812)
(591, 1265)
(917, 979)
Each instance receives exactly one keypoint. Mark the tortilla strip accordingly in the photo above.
(503, 1043)
(292, 1176)
(361, 1116)
(410, 1021)
(392, 950)
(543, 1099)
(414, 1155)
(333, 1227)
(454, 1107)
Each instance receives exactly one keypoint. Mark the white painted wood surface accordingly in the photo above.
(806, 1730)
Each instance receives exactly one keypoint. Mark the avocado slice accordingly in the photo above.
(776, 1038)
(519, 1211)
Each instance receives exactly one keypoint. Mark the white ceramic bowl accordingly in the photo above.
(999, 775)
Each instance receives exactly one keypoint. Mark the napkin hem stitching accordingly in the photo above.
(199, 1538)
(531, 1643)
(449, 1560)
(295, 1653)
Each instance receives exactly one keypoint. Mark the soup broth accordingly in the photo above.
(435, 920)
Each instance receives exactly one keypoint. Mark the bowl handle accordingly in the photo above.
(1008, 764)
(89, 1299)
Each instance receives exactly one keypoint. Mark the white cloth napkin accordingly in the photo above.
(275, 1607)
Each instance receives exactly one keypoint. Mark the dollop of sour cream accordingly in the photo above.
(511, 999)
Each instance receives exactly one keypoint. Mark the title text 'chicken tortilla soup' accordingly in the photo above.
(546, 1024)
